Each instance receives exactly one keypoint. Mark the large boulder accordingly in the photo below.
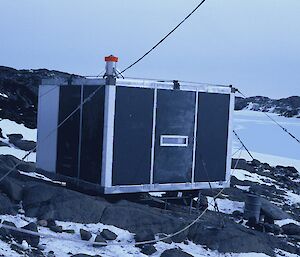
(12, 188)
(291, 229)
(55, 202)
(85, 235)
(6, 206)
(18, 141)
(175, 253)
(7, 162)
(108, 235)
(32, 240)
(231, 237)
(148, 249)
(143, 220)
(272, 211)
(242, 164)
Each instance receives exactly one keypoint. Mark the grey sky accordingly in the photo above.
(254, 45)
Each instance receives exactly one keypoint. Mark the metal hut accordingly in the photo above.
(132, 135)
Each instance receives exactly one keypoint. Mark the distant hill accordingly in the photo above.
(19, 93)
(288, 107)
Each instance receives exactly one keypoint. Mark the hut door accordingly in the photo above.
(174, 136)
(132, 136)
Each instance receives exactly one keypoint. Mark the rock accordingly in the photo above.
(142, 220)
(251, 222)
(292, 169)
(147, 249)
(108, 235)
(6, 206)
(12, 188)
(17, 249)
(243, 165)
(268, 219)
(237, 214)
(255, 163)
(42, 223)
(56, 229)
(50, 254)
(82, 255)
(202, 202)
(259, 227)
(85, 235)
(272, 211)
(21, 87)
(14, 137)
(54, 202)
(33, 240)
(144, 235)
(7, 231)
(35, 253)
(272, 228)
(51, 223)
(167, 240)
(175, 253)
(99, 239)
(291, 229)
(25, 145)
(69, 231)
(228, 238)
(3, 143)
(1, 135)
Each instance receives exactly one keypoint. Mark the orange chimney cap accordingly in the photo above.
(111, 58)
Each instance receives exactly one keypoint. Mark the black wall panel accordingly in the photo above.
(92, 135)
(68, 133)
(175, 115)
(212, 132)
(132, 136)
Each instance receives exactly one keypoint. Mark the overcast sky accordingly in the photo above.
(252, 44)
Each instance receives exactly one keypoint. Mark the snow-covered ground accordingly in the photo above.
(63, 244)
(266, 141)
(225, 205)
(11, 127)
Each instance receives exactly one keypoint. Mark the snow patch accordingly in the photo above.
(225, 205)
(244, 188)
(3, 95)
(11, 127)
(17, 153)
(244, 175)
(286, 221)
(291, 198)
(40, 176)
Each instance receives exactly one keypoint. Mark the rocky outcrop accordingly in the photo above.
(49, 202)
(288, 107)
(19, 93)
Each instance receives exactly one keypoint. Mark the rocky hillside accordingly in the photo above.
(86, 221)
(19, 93)
(288, 107)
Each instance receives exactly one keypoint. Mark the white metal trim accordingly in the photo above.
(229, 138)
(185, 86)
(153, 136)
(164, 187)
(80, 132)
(47, 121)
(162, 137)
(108, 135)
(195, 137)
(143, 83)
